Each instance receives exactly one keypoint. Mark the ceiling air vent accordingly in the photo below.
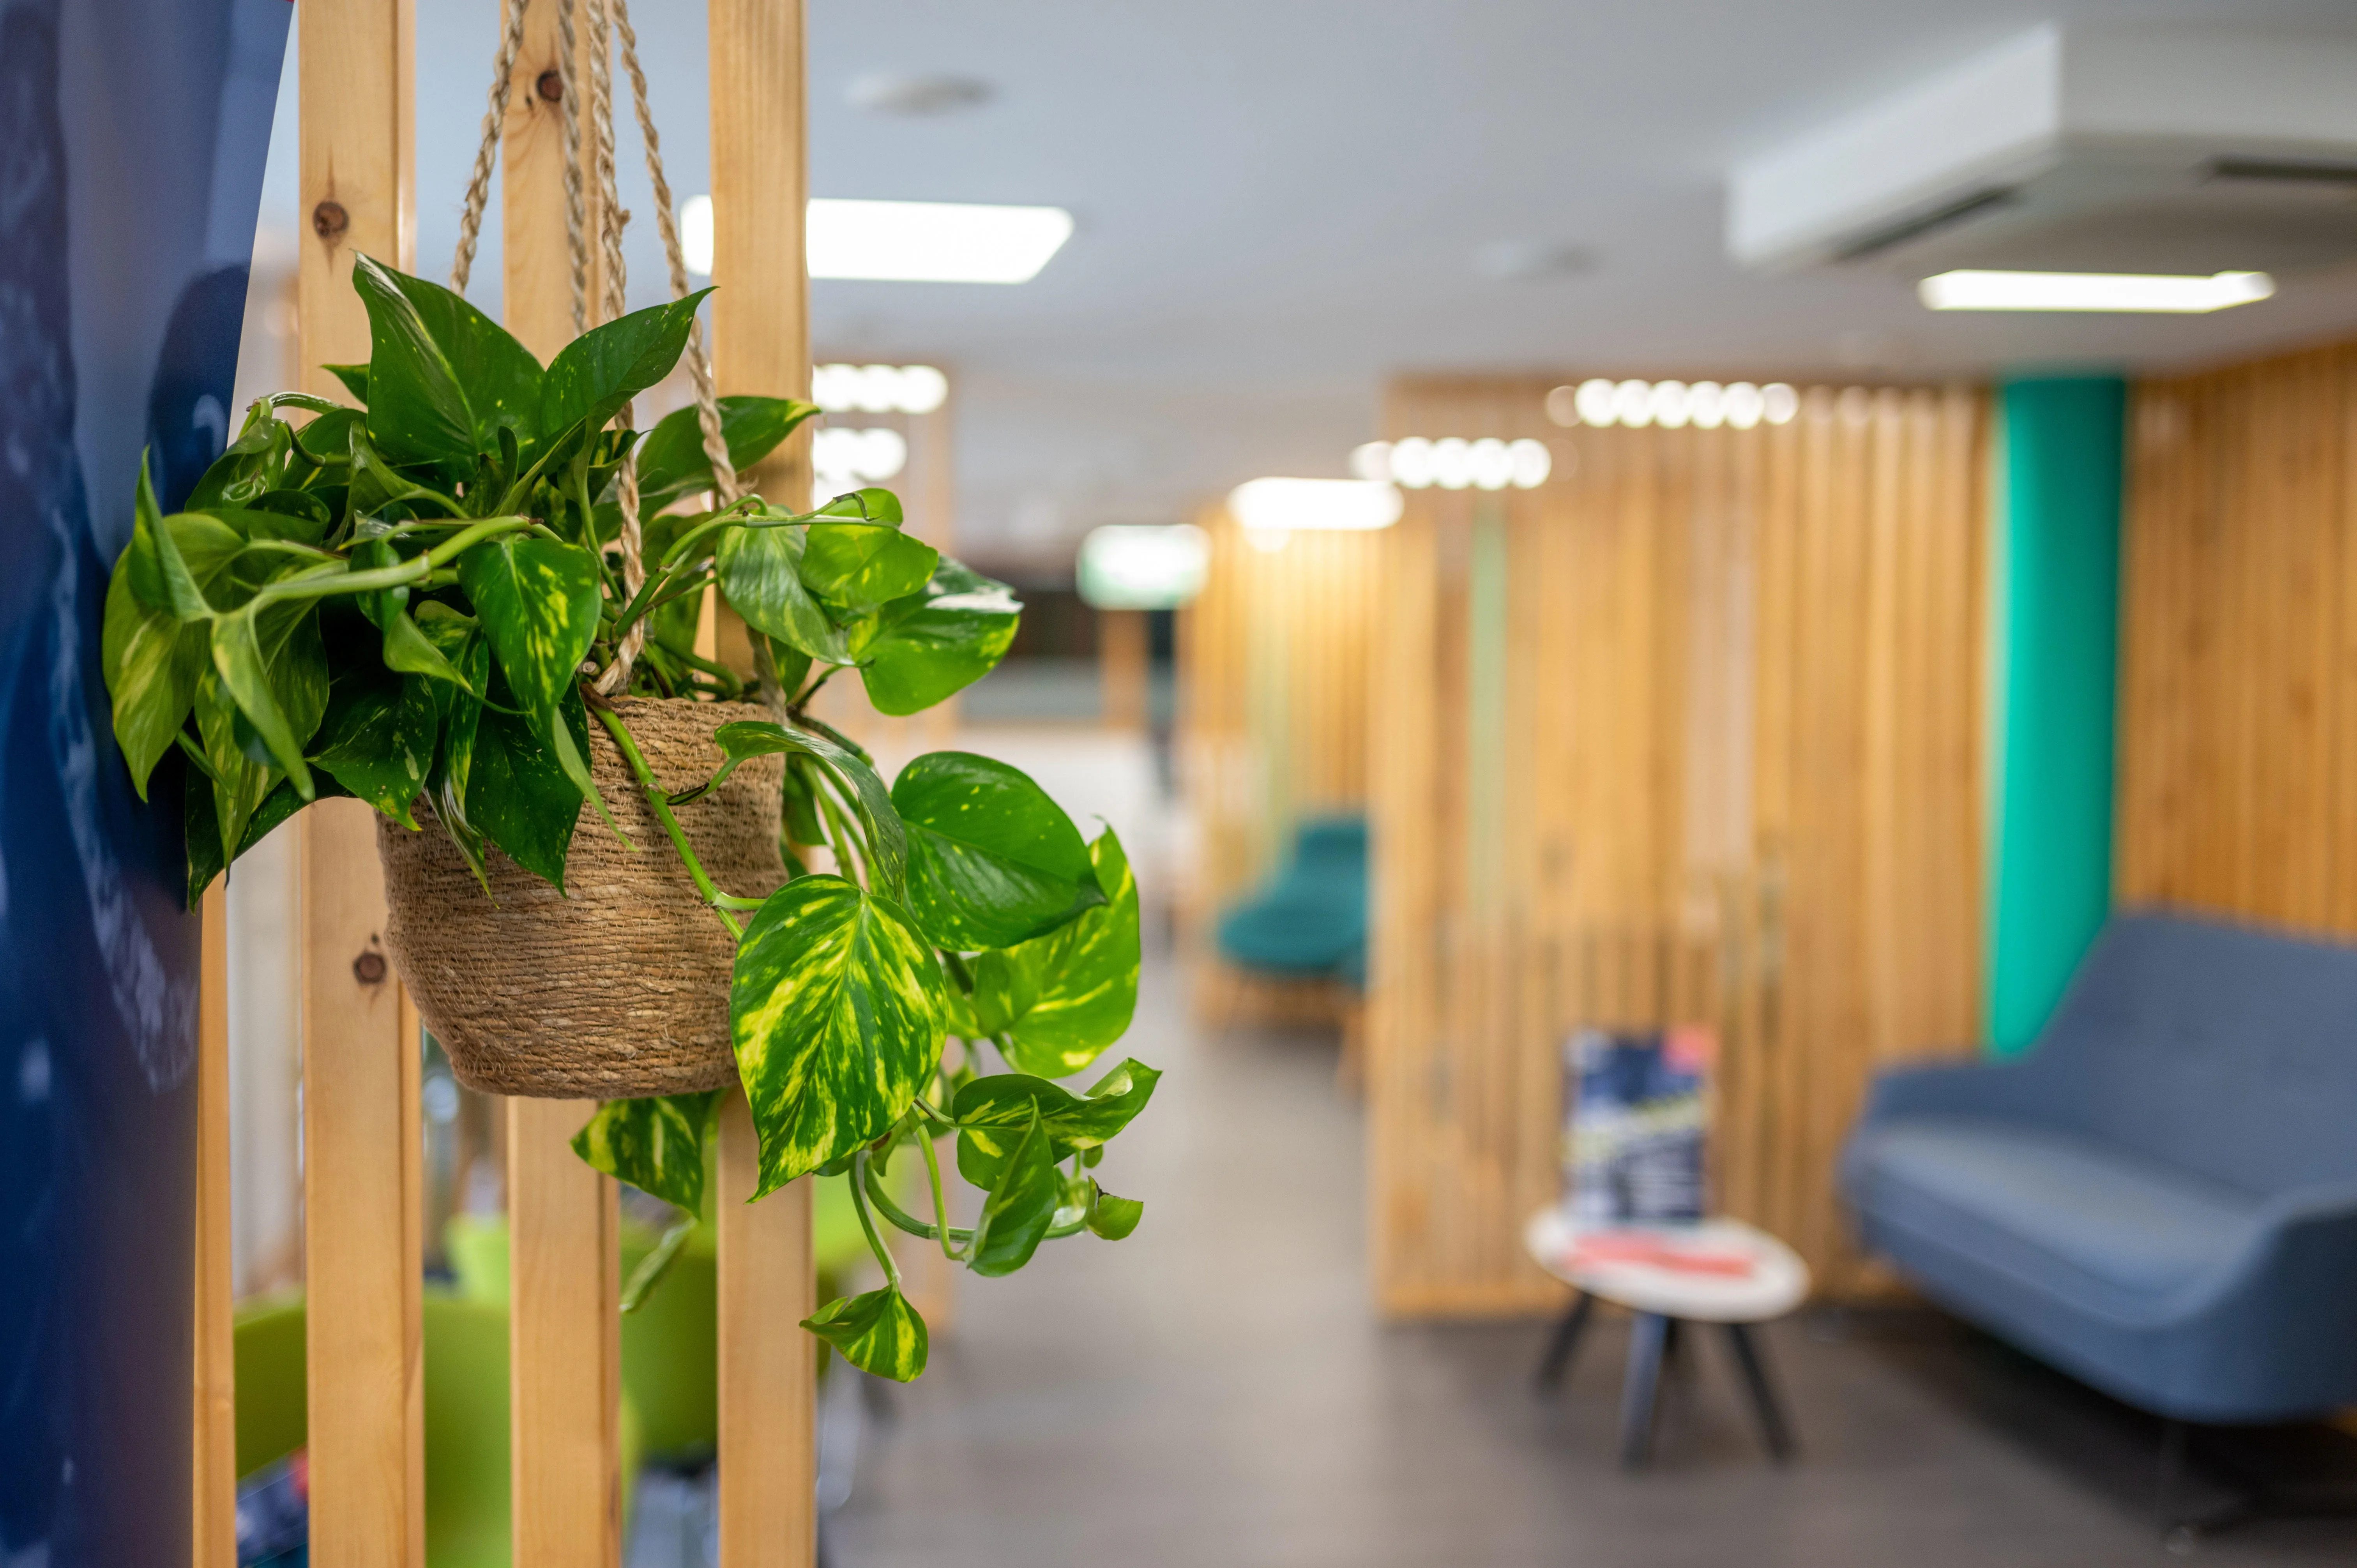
(2077, 149)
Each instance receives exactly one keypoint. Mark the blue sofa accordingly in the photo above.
(2161, 1197)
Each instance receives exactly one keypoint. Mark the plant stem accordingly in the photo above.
(661, 804)
(941, 1209)
(858, 1174)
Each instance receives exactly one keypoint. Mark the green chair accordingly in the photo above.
(670, 1346)
(467, 1512)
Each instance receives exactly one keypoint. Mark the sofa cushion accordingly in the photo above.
(2089, 1222)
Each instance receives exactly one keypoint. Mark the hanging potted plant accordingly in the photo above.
(617, 868)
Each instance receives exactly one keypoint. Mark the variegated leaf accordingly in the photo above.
(656, 1144)
(538, 602)
(1063, 998)
(992, 860)
(836, 1012)
(879, 1332)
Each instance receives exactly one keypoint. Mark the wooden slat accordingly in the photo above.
(361, 1158)
(1742, 733)
(1123, 669)
(563, 1220)
(761, 331)
(768, 1364)
(564, 1336)
(2239, 643)
(361, 1132)
(214, 1471)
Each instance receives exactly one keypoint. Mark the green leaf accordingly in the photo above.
(887, 838)
(461, 641)
(442, 376)
(201, 822)
(519, 794)
(408, 649)
(1020, 1208)
(245, 675)
(760, 576)
(172, 561)
(870, 505)
(538, 601)
(672, 461)
(935, 643)
(1070, 993)
(656, 1144)
(991, 1112)
(328, 438)
(992, 860)
(835, 1011)
(861, 568)
(879, 1332)
(1114, 1218)
(151, 662)
(355, 379)
(378, 740)
(595, 374)
(239, 782)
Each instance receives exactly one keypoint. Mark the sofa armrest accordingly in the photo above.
(2007, 1090)
(2278, 1314)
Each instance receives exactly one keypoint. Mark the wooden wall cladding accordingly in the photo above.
(2237, 790)
(1273, 719)
(1690, 733)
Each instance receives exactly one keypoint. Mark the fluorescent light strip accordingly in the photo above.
(1272, 507)
(878, 389)
(1672, 405)
(2154, 292)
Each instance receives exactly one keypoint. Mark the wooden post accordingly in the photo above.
(362, 1142)
(564, 1222)
(214, 1471)
(362, 1150)
(1125, 669)
(761, 331)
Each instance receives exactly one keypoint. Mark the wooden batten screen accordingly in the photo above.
(1690, 733)
(2238, 694)
(1273, 709)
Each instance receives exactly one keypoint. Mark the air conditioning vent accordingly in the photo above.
(2078, 149)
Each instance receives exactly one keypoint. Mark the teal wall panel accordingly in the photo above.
(2054, 637)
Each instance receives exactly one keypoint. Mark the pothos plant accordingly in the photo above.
(400, 601)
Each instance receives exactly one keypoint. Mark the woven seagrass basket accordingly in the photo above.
(621, 989)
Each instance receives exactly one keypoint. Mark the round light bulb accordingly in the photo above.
(1532, 462)
(1597, 403)
(1563, 406)
(1744, 405)
(882, 453)
(923, 389)
(1372, 460)
(1632, 404)
(1706, 406)
(1410, 463)
(1452, 463)
(1491, 468)
(1669, 404)
(1781, 401)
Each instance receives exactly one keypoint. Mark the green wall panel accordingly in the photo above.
(2054, 639)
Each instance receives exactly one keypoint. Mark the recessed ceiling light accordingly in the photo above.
(1142, 566)
(1531, 260)
(2144, 292)
(932, 242)
(918, 93)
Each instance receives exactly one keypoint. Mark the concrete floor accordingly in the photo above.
(1214, 1391)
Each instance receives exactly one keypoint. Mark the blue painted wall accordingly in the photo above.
(131, 138)
(2054, 639)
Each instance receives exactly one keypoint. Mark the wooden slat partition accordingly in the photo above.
(564, 1219)
(2237, 791)
(1273, 717)
(1688, 734)
(214, 1445)
(761, 344)
(361, 1130)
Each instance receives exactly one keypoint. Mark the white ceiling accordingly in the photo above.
(1279, 203)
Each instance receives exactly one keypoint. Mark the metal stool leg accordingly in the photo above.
(1563, 1342)
(1772, 1430)
(1641, 1387)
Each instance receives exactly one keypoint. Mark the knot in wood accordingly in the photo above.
(328, 220)
(551, 86)
(369, 968)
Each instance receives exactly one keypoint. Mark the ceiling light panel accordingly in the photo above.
(932, 242)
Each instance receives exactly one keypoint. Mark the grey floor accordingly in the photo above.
(1214, 1391)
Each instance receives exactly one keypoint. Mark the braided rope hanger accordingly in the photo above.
(605, 19)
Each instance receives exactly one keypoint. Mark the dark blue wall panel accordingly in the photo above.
(131, 138)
